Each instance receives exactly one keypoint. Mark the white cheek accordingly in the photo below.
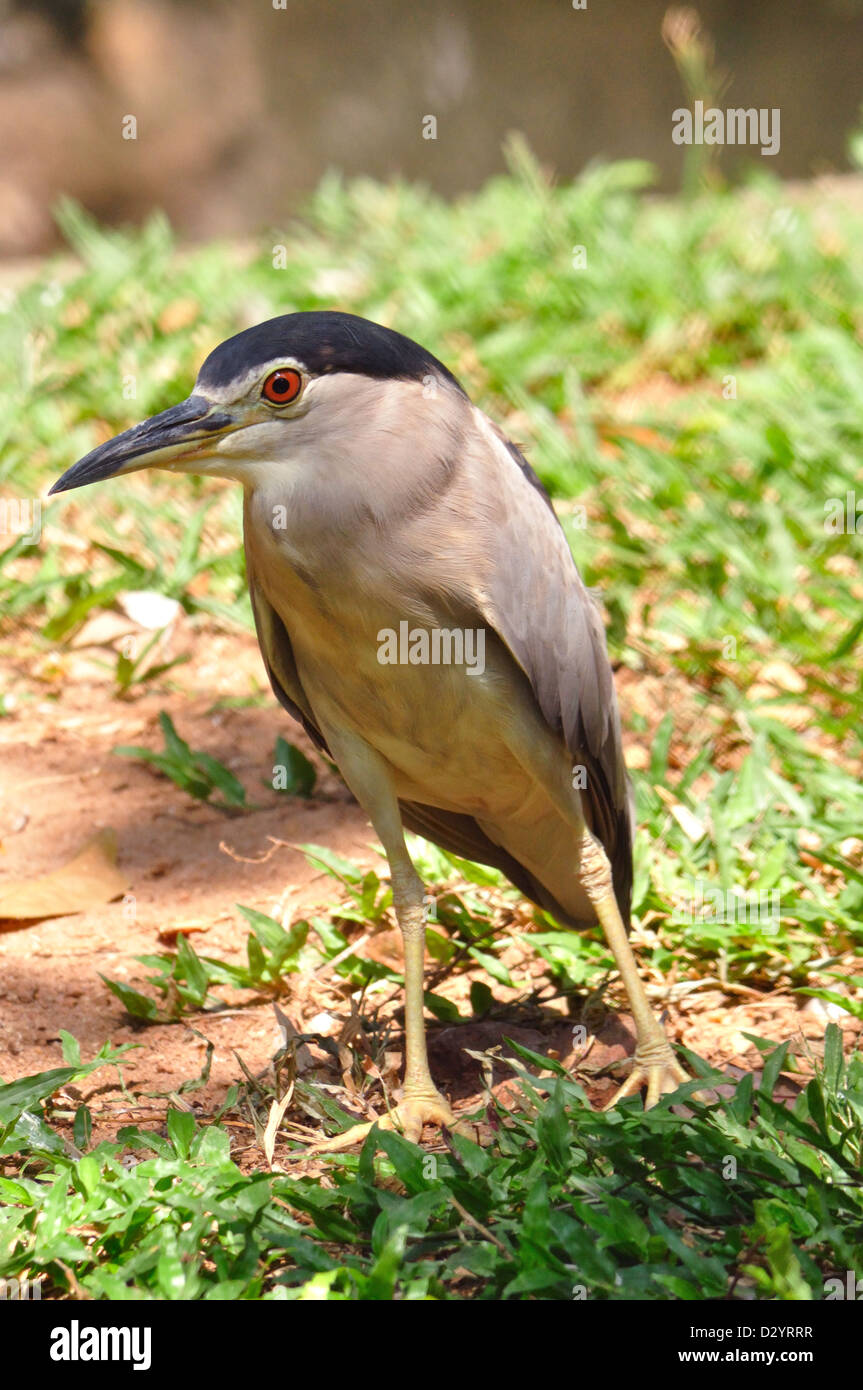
(254, 443)
(251, 455)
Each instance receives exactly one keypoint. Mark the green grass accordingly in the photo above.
(691, 396)
(743, 1199)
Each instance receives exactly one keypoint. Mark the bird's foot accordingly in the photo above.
(654, 1065)
(409, 1116)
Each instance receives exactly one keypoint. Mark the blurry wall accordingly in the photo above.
(241, 106)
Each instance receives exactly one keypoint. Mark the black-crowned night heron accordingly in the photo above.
(420, 613)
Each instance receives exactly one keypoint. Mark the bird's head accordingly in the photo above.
(296, 388)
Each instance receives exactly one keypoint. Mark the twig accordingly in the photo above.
(483, 1230)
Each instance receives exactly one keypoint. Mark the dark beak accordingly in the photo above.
(147, 445)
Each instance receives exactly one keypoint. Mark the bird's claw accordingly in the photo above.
(655, 1066)
(409, 1116)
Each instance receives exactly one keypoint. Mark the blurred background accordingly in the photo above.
(242, 105)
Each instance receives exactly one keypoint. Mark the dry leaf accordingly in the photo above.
(103, 630)
(689, 823)
(783, 676)
(277, 1111)
(637, 757)
(288, 1034)
(170, 934)
(148, 608)
(88, 880)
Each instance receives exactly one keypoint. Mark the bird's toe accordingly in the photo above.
(409, 1117)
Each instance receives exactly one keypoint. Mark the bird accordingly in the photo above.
(420, 614)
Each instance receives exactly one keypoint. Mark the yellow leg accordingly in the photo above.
(654, 1063)
(368, 777)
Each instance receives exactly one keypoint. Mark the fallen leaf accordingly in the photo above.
(783, 676)
(170, 934)
(148, 608)
(826, 1010)
(102, 630)
(277, 1112)
(288, 1035)
(689, 824)
(88, 880)
(637, 757)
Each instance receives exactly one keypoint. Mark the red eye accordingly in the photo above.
(282, 386)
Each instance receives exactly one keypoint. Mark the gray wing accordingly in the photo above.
(536, 601)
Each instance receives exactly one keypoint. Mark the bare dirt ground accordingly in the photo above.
(187, 865)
